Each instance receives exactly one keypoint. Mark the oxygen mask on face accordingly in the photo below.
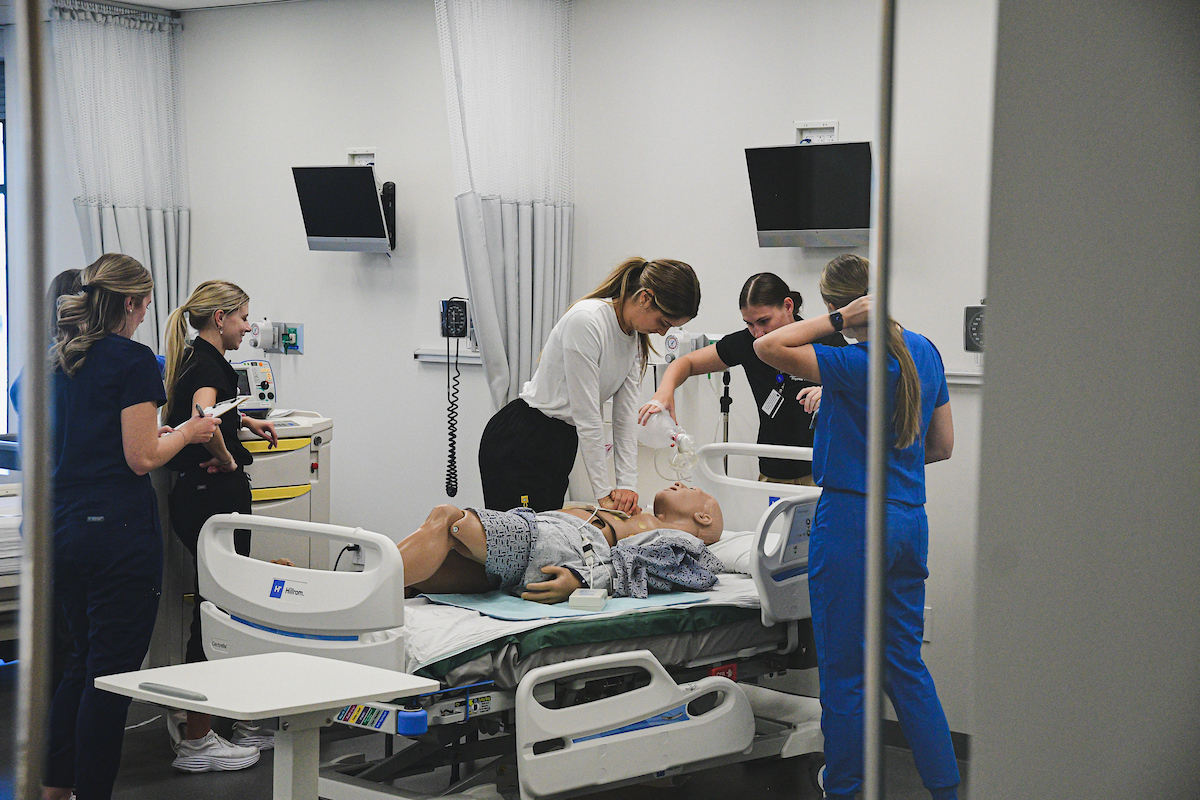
(660, 432)
(684, 458)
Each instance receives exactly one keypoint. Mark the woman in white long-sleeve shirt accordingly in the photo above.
(596, 351)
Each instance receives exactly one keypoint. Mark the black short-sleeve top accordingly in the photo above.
(791, 424)
(89, 449)
(204, 367)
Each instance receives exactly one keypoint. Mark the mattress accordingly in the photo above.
(459, 647)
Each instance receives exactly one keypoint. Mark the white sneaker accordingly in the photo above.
(176, 726)
(211, 753)
(247, 734)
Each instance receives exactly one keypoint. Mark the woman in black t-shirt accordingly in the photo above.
(211, 479)
(766, 303)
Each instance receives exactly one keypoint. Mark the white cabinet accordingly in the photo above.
(291, 481)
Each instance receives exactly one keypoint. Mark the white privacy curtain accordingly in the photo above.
(119, 90)
(506, 65)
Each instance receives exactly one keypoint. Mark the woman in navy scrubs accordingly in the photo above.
(920, 433)
(107, 540)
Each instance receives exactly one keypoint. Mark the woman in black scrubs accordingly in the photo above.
(766, 304)
(107, 540)
(211, 478)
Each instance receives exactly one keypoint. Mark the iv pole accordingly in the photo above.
(726, 402)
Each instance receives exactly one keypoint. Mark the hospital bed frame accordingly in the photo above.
(568, 728)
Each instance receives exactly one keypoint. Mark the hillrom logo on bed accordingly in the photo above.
(281, 591)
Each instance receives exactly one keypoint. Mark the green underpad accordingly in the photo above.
(662, 622)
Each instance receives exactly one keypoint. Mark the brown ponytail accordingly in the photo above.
(768, 289)
(844, 279)
(673, 283)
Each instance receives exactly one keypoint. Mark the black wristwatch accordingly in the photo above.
(835, 319)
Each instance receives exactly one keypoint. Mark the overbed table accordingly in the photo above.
(303, 691)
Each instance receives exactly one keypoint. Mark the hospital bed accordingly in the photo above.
(547, 707)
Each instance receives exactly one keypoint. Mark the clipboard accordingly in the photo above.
(227, 405)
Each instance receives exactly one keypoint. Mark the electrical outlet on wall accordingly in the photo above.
(360, 156)
(823, 131)
(291, 337)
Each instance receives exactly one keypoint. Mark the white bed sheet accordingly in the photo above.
(438, 631)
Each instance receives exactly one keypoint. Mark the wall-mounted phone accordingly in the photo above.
(454, 318)
(973, 328)
(455, 325)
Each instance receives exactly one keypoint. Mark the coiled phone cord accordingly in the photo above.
(452, 420)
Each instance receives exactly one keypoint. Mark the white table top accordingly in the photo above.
(268, 685)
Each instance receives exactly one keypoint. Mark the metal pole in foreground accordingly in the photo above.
(36, 562)
(877, 424)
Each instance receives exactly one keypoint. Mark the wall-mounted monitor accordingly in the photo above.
(811, 195)
(344, 209)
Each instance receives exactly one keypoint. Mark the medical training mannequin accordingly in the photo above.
(470, 550)
(107, 539)
(766, 304)
(921, 432)
(210, 479)
(596, 351)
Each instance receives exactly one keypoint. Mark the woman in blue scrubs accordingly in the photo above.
(921, 432)
(107, 541)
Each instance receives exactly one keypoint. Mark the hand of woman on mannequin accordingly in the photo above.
(621, 500)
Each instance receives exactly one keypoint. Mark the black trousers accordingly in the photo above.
(524, 454)
(107, 580)
(196, 496)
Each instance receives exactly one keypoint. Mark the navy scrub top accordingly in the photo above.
(88, 448)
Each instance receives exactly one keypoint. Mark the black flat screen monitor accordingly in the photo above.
(342, 209)
(811, 195)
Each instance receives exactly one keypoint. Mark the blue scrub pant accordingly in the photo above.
(837, 561)
(107, 579)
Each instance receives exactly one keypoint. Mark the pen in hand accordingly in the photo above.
(199, 410)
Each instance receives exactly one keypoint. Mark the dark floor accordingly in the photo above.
(146, 772)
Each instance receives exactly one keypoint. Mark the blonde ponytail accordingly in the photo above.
(206, 300)
(845, 279)
(97, 309)
(174, 346)
(907, 417)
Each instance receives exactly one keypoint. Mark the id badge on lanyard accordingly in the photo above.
(774, 400)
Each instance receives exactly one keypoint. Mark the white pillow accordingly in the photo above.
(735, 549)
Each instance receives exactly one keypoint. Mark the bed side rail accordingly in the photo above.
(637, 733)
(298, 599)
(744, 501)
(780, 563)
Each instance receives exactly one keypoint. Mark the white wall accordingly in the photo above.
(669, 95)
(275, 86)
(1088, 658)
